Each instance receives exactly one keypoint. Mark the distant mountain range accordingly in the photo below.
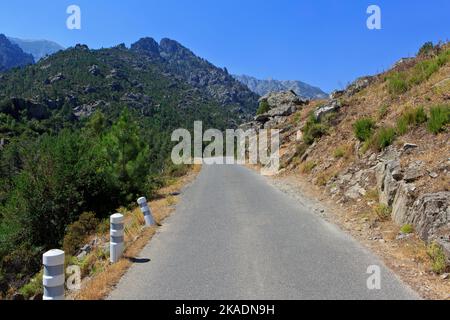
(263, 87)
(38, 48)
(11, 55)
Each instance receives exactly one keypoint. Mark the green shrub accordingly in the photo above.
(426, 49)
(439, 263)
(383, 112)
(411, 118)
(363, 128)
(263, 107)
(397, 84)
(383, 138)
(400, 82)
(78, 231)
(313, 130)
(423, 71)
(308, 167)
(339, 153)
(407, 229)
(439, 118)
(301, 149)
(33, 287)
(383, 212)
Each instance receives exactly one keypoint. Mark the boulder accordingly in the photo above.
(332, 106)
(355, 192)
(94, 70)
(429, 214)
(336, 94)
(359, 85)
(409, 146)
(275, 121)
(56, 78)
(276, 99)
(414, 171)
(283, 111)
(402, 202)
(388, 174)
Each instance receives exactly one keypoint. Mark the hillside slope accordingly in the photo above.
(380, 149)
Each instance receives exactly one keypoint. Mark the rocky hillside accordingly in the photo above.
(11, 55)
(264, 87)
(380, 148)
(184, 65)
(79, 81)
(37, 48)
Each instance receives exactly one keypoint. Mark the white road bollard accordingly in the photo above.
(54, 277)
(117, 237)
(149, 221)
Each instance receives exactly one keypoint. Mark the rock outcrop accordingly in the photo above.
(330, 107)
(281, 106)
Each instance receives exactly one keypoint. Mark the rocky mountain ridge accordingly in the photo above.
(201, 74)
(264, 87)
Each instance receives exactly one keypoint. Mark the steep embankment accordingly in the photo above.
(380, 149)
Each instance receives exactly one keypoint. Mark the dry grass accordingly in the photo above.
(105, 276)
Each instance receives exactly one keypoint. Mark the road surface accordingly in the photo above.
(234, 236)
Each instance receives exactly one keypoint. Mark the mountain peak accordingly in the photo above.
(147, 46)
(169, 47)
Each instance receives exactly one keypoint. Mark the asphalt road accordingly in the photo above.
(234, 236)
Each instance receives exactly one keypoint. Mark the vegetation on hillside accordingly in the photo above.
(85, 131)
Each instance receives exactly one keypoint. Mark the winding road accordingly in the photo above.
(234, 236)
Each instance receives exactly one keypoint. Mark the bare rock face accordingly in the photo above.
(332, 106)
(281, 106)
(387, 184)
(284, 98)
(283, 111)
(359, 85)
(402, 203)
(428, 213)
(431, 213)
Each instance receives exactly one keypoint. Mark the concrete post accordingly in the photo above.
(54, 277)
(117, 237)
(149, 221)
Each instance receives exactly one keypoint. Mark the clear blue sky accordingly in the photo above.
(322, 42)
